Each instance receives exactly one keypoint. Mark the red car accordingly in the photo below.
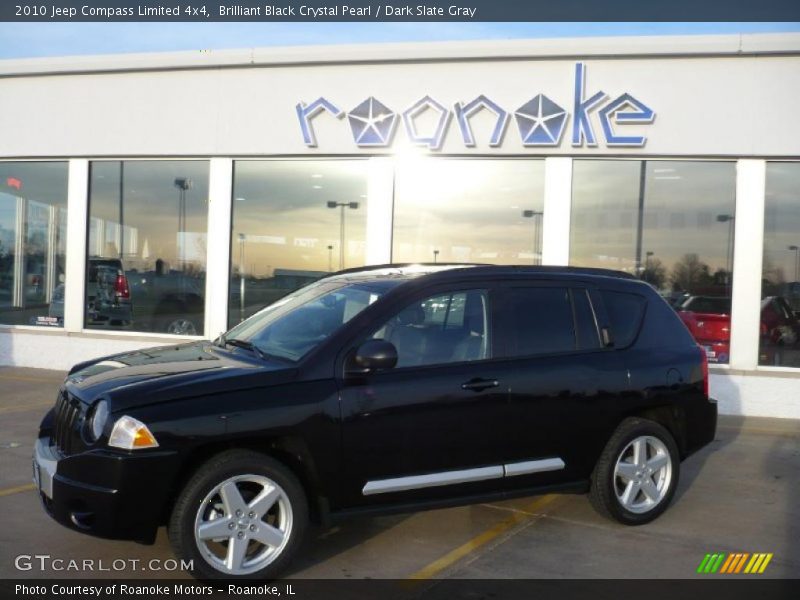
(708, 318)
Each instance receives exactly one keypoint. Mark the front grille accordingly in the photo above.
(68, 419)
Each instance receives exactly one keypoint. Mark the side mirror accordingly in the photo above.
(372, 355)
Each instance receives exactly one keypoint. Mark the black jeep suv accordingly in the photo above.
(394, 388)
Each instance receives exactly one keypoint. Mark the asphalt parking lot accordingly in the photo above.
(740, 494)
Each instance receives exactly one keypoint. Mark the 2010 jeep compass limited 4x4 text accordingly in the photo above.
(394, 388)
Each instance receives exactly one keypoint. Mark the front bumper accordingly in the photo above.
(104, 493)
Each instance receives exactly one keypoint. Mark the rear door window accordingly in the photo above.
(625, 311)
(539, 321)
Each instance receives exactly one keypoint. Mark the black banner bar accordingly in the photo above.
(399, 10)
(732, 587)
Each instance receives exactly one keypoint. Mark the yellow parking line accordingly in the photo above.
(16, 490)
(439, 565)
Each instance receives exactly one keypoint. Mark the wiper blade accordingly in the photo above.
(246, 345)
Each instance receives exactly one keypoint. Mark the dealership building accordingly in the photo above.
(152, 198)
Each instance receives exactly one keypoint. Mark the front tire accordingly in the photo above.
(241, 515)
(637, 474)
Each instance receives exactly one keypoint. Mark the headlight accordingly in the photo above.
(98, 421)
(131, 434)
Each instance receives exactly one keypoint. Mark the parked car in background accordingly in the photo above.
(161, 301)
(708, 319)
(780, 331)
(168, 301)
(378, 390)
(108, 296)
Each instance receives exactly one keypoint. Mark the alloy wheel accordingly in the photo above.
(642, 474)
(182, 327)
(243, 524)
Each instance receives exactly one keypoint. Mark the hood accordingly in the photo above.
(166, 373)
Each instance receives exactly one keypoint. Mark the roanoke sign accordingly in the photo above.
(540, 122)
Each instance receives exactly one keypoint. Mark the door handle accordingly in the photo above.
(478, 384)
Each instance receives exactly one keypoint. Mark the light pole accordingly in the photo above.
(342, 206)
(729, 219)
(435, 256)
(330, 259)
(183, 184)
(532, 214)
(796, 261)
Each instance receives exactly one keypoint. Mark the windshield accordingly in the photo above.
(296, 324)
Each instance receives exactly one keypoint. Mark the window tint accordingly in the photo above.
(625, 312)
(585, 322)
(440, 329)
(540, 321)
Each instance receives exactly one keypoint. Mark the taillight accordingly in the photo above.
(704, 369)
(121, 289)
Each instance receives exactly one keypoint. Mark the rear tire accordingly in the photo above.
(242, 515)
(176, 318)
(637, 473)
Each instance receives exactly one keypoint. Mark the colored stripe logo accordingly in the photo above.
(735, 563)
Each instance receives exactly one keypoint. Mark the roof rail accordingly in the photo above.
(530, 268)
(403, 266)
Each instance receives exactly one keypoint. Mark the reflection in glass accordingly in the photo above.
(33, 222)
(446, 328)
(670, 223)
(293, 222)
(468, 210)
(298, 323)
(146, 253)
(780, 290)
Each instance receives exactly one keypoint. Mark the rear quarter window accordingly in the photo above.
(625, 311)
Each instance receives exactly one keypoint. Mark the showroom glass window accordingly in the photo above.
(33, 225)
(294, 221)
(468, 210)
(671, 223)
(780, 290)
(146, 253)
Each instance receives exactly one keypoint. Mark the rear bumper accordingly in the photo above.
(701, 425)
(105, 494)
